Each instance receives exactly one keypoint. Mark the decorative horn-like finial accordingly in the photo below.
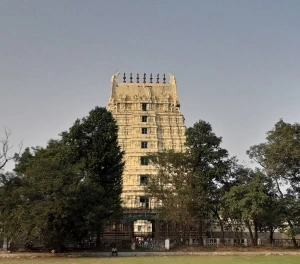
(124, 78)
(151, 78)
(130, 78)
(157, 78)
(164, 78)
(137, 78)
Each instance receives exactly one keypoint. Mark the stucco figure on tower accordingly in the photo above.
(114, 79)
(172, 79)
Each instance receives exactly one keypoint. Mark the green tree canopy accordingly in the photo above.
(93, 143)
(68, 190)
(43, 200)
(280, 158)
(189, 184)
(171, 187)
(211, 171)
(248, 200)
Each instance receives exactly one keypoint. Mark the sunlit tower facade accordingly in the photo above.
(149, 119)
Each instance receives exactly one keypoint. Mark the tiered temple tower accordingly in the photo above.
(149, 120)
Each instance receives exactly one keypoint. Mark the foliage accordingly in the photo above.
(47, 194)
(67, 190)
(94, 146)
(280, 155)
(211, 172)
(189, 183)
(209, 162)
(171, 187)
(248, 200)
(10, 202)
(280, 158)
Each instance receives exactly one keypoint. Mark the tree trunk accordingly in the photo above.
(98, 240)
(255, 233)
(271, 236)
(222, 229)
(294, 242)
(221, 225)
(200, 233)
(247, 223)
(184, 236)
(293, 238)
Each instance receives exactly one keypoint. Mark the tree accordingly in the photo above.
(210, 165)
(10, 201)
(171, 187)
(93, 142)
(248, 200)
(44, 203)
(65, 192)
(190, 184)
(280, 158)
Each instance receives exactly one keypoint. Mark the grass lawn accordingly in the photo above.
(262, 259)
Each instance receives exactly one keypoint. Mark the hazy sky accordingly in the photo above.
(236, 62)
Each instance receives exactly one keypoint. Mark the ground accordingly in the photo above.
(257, 259)
(236, 249)
(179, 255)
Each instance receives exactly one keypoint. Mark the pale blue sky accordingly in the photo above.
(236, 62)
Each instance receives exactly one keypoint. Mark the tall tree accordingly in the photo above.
(210, 165)
(193, 181)
(280, 158)
(94, 146)
(67, 190)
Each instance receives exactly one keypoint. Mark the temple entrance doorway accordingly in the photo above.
(142, 230)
